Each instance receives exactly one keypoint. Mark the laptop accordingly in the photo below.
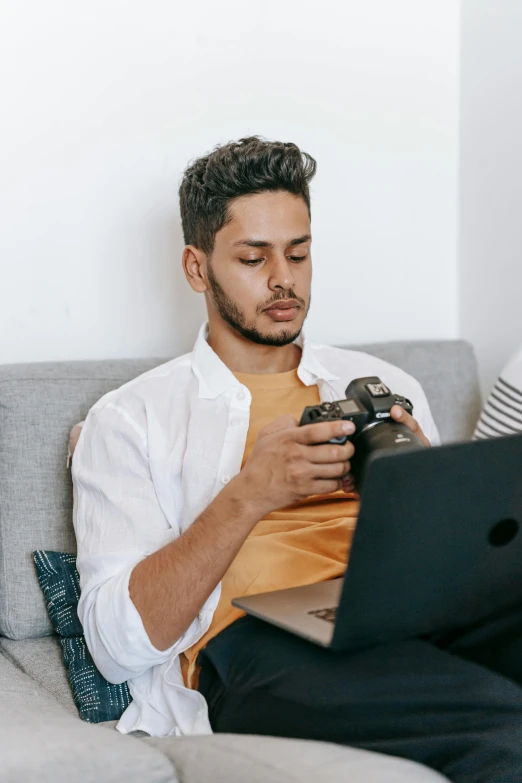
(438, 545)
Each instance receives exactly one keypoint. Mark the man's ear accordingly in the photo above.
(195, 267)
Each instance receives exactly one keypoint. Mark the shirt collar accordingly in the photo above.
(215, 378)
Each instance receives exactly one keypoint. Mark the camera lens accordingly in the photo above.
(386, 435)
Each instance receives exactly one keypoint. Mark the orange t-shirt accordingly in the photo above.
(298, 545)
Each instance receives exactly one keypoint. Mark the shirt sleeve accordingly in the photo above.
(118, 521)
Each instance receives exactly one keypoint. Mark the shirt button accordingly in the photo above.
(235, 422)
(225, 479)
(240, 395)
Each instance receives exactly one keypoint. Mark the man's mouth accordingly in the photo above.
(283, 310)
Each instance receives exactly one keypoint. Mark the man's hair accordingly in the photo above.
(239, 168)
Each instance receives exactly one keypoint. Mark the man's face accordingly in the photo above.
(260, 270)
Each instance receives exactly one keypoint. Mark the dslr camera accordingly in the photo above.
(368, 404)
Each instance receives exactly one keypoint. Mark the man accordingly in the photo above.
(194, 484)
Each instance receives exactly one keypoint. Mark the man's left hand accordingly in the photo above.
(399, 414)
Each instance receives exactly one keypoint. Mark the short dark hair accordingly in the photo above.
(239, 168)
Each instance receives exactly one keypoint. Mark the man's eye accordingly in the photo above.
(297, 258)
(250, 261)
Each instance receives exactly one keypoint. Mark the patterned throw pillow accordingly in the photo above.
(97, 700)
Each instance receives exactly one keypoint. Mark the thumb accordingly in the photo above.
(285, 422)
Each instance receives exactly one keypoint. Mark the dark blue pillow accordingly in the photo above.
(97, 700)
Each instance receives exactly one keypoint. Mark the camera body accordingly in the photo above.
(368, 404)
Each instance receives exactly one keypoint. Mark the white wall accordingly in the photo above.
(104, 102)
(491, 181)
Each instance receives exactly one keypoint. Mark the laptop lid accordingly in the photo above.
(438, 542)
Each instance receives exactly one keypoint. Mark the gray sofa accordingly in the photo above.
(41, 735)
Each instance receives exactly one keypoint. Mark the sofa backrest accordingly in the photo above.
(39, 403)
(448, 373)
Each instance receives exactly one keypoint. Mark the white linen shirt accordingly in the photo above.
(151, 457)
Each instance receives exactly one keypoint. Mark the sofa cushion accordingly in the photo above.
(14, 680)
(230, 758)
(42, 742)
(42, 660)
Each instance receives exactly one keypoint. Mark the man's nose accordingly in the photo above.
(281, 274)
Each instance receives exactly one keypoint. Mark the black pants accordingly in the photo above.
(452, 702)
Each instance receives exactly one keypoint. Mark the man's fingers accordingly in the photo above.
(323, 432)
(348, 483)
(329, 452)
(325, 486)
(333, 470)
(399, 414)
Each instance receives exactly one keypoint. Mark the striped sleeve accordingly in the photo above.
(502, 413)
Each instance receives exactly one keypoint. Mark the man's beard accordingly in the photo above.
(235, 317)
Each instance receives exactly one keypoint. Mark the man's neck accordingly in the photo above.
(245, 356)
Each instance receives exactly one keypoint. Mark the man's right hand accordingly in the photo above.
(287, 464)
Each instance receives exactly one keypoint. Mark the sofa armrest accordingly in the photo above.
(42, 741)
